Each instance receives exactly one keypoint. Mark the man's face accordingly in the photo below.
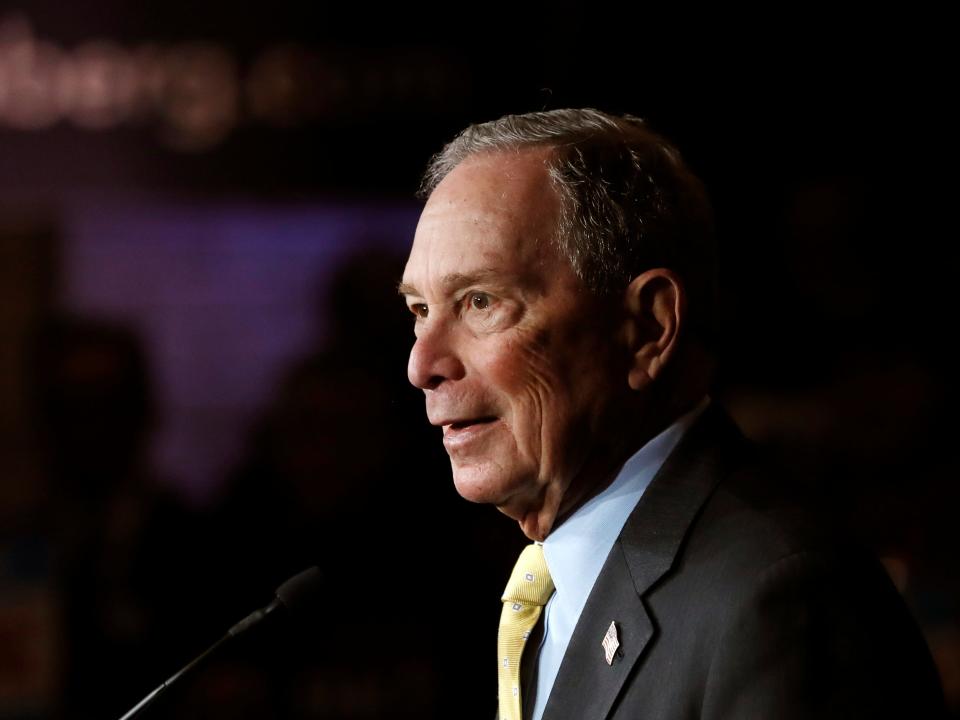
(513, 356)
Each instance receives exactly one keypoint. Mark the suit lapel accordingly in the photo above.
(586, 686)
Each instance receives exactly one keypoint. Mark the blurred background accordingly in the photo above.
(204, 210)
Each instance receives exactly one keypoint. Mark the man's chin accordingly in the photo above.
(486, 483)
(476, 486)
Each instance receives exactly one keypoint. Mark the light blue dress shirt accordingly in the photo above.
(577, 549)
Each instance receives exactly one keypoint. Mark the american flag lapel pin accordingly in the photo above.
(610, 643)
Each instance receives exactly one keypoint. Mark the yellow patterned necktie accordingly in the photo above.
(528, 590)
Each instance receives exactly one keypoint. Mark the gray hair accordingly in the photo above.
(628, 201)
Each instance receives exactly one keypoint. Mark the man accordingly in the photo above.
(561, 279)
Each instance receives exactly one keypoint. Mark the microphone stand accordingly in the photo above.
(248, 622)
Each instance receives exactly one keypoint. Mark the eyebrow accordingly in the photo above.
(406, 289)
(455, 280)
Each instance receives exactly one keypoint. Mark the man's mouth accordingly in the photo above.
(463, 424)
(461, 434)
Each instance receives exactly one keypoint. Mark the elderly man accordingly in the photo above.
(561, 280)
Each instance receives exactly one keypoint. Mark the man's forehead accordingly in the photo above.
(450, 282)
(491, 216)
(451, 257)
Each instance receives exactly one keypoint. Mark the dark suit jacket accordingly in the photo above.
(731, 603)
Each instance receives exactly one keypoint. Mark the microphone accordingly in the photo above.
(294, 597)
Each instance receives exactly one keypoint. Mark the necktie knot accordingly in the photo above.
(530, 583)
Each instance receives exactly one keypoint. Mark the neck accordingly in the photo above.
(602, 468)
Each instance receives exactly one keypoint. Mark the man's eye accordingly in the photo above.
(419, 309)
(479, 301)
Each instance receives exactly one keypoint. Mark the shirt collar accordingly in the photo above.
(576, 550)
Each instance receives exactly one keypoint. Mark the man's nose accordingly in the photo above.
(433, 359)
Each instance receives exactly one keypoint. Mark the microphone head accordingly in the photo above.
(301, 592)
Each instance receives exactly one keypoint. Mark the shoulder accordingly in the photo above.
(774, 607)
(759, 528)
(719, 513)
(756, 518)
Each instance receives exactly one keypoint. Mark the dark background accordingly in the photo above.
(204, 210)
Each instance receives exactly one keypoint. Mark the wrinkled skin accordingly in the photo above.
(520, 366)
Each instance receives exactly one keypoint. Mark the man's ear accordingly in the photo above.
(655, 304)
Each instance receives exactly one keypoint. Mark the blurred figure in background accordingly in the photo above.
(121, 543)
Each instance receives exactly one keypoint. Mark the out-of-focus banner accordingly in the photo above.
(196, 93)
